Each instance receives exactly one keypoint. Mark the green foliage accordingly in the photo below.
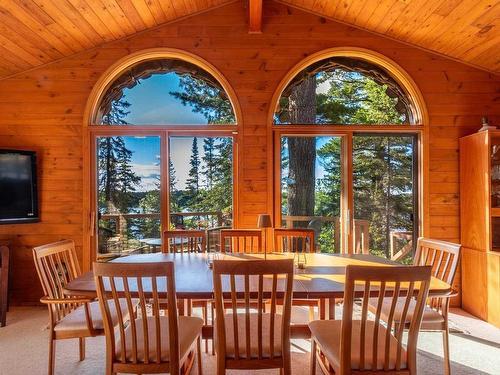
(210, 182)
(206, 99)
(116, 179)
(116, 182)
(382, 165)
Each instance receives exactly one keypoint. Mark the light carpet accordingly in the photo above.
(24, 349)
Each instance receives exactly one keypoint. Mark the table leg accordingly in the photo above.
(331, 308)
(322, 308)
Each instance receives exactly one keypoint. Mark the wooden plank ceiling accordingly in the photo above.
(466, 30)
(35, 32)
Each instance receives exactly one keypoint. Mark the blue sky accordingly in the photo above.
(151, 103)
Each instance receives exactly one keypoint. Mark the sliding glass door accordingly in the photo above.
(385, 195)
(128, 194)
(311, 187)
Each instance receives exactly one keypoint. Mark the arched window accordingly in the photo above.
(165, 92)
(347, 130)
(161, 125)
(344, 90)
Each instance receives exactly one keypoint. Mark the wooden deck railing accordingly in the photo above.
(361, 235)
(395, 239)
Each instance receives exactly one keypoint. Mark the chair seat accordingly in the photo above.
(189, 329)
(328, 336)
(76, 320)
(430, 320)
(254, 349)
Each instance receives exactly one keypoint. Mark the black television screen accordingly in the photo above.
(18, 187)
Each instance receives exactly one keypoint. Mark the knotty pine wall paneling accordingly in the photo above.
(42, 109)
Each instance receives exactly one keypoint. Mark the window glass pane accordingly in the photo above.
(342, 90)
(128, 187)
(201, 184)
(311, 187)
(162, 92)
(384, 195)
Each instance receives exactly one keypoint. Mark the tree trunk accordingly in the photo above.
(302, 152)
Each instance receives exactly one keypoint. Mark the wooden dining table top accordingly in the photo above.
(322, 277)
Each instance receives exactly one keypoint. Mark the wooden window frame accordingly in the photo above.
(164, 133)
(92, 130)
(346, 133)
(420, 128)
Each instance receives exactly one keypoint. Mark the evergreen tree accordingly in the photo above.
(117, 181)
(209, 160)
(193, 181)
(216, 171)
(206, 99)
(382, 166)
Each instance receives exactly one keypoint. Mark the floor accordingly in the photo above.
(475, 349)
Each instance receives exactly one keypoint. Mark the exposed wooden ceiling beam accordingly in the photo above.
(255, 16)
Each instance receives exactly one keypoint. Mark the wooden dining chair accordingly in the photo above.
(184, 241)
(294, 240)
(241, 241)
(188, 241)
(357, 344)
(69, 317)
(443, 257)
(246, 339)
(152, 342)
(297, 240)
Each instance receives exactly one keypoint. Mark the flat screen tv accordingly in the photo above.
(18, 187)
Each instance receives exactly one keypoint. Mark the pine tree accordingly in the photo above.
(216, 174)
(174, 193)
(117, 181)
(382, 165)
(193, 181)
(209, 160)
(208, 100)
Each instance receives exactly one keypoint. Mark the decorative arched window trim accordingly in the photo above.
(118, 68)
(420, 114)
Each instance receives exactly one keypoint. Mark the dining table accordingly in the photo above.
(317, 276)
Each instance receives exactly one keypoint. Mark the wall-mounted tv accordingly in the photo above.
(18, 187)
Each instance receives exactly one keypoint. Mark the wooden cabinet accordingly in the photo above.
(480, 224)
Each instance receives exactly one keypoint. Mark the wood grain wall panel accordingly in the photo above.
(43, 110)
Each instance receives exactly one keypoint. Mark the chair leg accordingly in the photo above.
(205, 318)
(109, 368)
(52, 355)
(200, 371)
(446, 351)
(212, 310)
(82, 348)
(221, 365)
(287, 367)
(313, 357)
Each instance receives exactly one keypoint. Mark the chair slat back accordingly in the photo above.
(147, 282)
(56, 264)
(184, 241)
(241, 240)
(294, 240)
(378, 350)
(443, 257)
(239, 286)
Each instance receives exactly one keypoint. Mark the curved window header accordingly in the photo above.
(165, 92)
(344, 90)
